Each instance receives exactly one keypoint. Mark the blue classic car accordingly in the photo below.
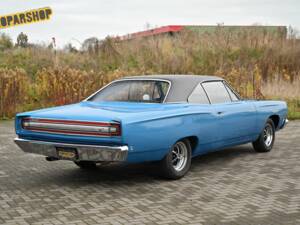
(164, 118)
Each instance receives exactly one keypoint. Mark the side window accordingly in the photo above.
(216, 92)
(198, 96)
(231, 93)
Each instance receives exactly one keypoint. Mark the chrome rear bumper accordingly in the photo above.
(84, 152)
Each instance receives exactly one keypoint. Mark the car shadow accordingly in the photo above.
(116, 175)
(225, 155)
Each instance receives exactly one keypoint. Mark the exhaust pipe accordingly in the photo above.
(50, 159)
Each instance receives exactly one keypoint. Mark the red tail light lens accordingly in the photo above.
(70, 127)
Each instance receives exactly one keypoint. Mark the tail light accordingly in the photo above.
(70, 127)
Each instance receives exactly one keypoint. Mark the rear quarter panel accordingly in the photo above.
(151, 137)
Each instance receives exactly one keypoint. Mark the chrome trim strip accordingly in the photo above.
(133, 79)
(61, 128)
(70, 120)
(73, 134)
(94, 153)
(66, 127)
(233, 90)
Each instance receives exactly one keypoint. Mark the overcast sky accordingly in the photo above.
(77, 20)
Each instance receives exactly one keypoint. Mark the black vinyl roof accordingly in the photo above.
(181, 85)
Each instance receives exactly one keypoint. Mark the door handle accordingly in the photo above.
(220, 112)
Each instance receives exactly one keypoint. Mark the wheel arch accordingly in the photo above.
(193, 141)
(276, 119)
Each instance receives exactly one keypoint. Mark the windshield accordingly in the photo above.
(152, 91)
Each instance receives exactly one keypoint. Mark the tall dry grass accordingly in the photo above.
(280, 88)
(256, 64)
(285, 90)
(13, 91)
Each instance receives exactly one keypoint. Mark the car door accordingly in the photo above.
(236, 119)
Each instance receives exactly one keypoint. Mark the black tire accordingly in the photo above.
(264, 143)
(86, 165)
(168, 165)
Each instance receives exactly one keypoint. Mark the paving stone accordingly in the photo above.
(234, 186)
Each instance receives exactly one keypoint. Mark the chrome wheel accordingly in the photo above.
(268, 135)
(177, 161)
(265, 141)
(179, 156)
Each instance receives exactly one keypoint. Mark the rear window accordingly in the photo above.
(152, 91)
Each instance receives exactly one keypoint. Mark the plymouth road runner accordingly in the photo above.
(164, 118)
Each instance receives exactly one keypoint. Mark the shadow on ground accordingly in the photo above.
(136, 173)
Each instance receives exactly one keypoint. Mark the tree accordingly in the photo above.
(22, 40)
(5, 42)
(91, 45)
(70, 48)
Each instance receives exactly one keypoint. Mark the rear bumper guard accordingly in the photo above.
(84, 152)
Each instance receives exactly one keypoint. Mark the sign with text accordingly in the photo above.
(27, 17)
